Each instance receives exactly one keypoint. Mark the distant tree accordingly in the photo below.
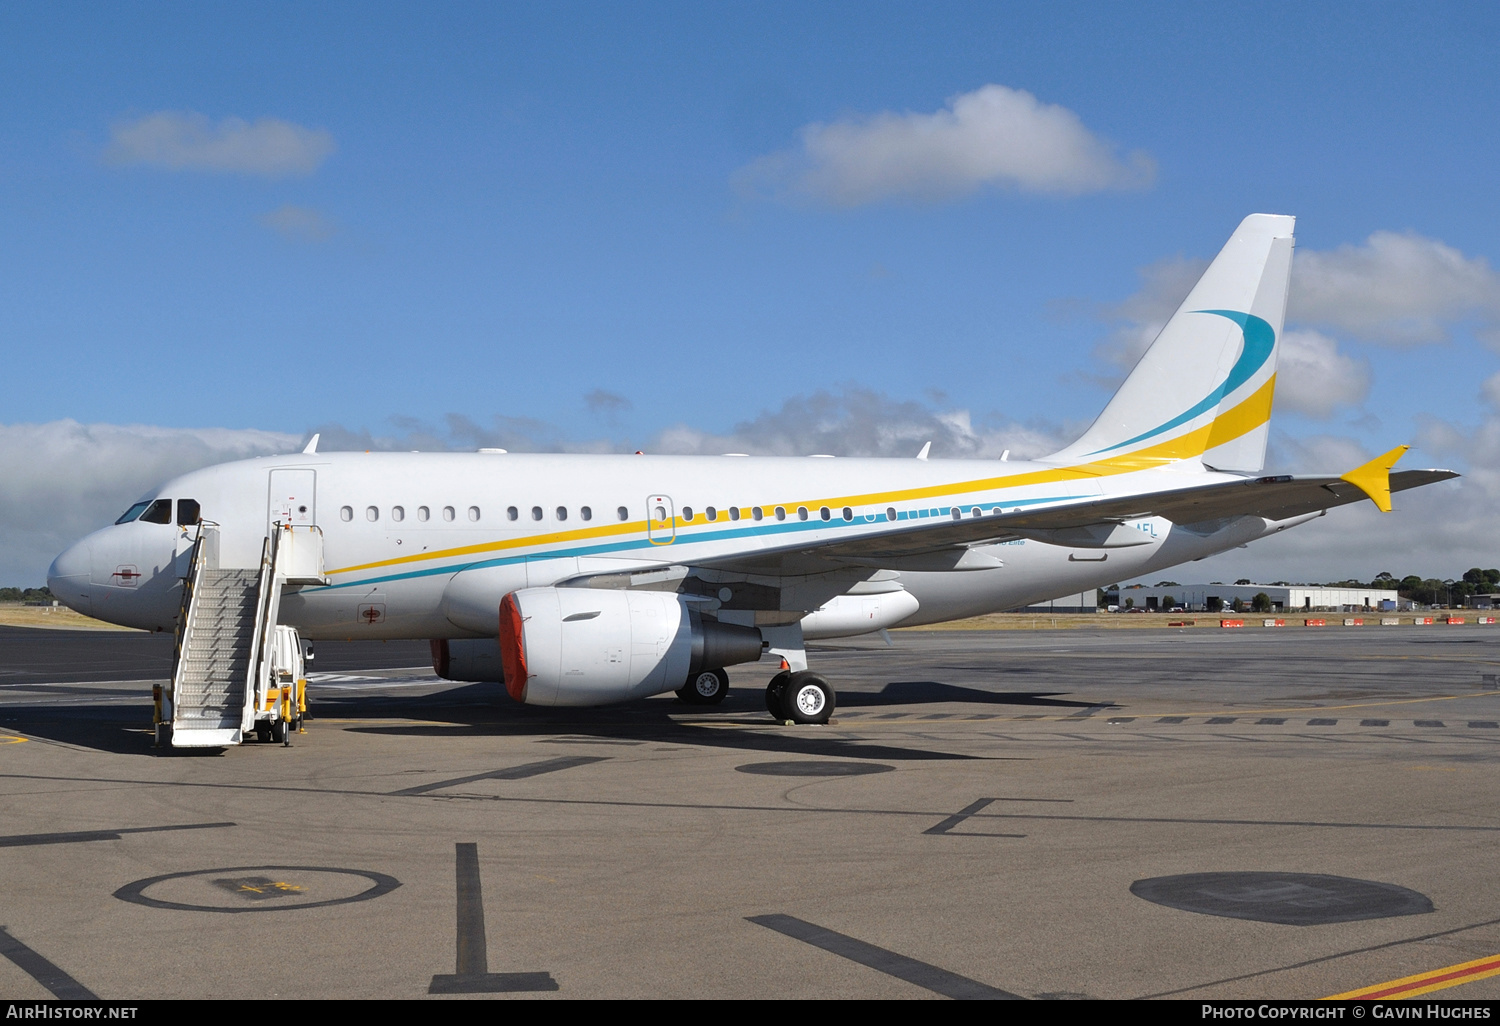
(1130, 603)
(1167, 601)
(1237, 606)
(1215, 604)
(1261, 603)
(1244, 580)
(1167, 584)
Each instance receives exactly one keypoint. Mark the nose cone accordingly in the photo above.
(69, 577)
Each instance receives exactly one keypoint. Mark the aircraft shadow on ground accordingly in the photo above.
(120, 729)
(485, 710)
(929, 692)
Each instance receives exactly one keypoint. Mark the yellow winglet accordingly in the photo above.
(1374, 478)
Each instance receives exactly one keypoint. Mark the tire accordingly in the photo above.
(706, 688)
(808, 698)
(263, 732)
(775, 696)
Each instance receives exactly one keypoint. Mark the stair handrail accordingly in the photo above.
(266, 608)
(164, 706)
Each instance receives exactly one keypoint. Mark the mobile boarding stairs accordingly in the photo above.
(235, 669)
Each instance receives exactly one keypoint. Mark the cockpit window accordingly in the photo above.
(133, 512)
(188, 512)
(159, 512)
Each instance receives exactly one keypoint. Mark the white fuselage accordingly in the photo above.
(423, 545)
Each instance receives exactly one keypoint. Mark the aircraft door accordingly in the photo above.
(661, 520)
(293, 498)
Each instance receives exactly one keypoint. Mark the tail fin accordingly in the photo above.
(1204, 388)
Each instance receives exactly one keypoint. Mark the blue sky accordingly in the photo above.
(611, 226)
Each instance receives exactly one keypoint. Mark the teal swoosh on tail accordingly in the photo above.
(1260, 340)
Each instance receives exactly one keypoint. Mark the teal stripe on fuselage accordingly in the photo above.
(643, 543)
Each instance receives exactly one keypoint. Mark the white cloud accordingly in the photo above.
(1396, 289)
(1314, 378)
(64, 479)
(299, 224)
(1491, 391)
(993, 136)
(188, 141)
(859, 422)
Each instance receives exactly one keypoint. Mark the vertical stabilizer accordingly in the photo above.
(1203, 389)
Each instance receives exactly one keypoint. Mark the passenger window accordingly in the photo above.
(562, 512)
(188, 512)
(372, 513)
(734, 512)
(536, 512)
(780, 512)
(890, 512)
(687, 513)
(159, 512)
(474, 514)
(586, 513)
(801, 512)
(346, 513)
(423, 513)
(824, 513)
(135, 511)
(623, 514)
(848, 513)
(448, 514)
(398, 513)
(511, 513)
(756, 513)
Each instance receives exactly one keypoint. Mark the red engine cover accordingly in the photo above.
(513, 648)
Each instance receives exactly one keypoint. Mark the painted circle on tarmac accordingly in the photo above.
(811, 768)
(1291, 899)
(257, 888)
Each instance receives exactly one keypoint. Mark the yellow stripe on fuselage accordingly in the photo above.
(1240, 420)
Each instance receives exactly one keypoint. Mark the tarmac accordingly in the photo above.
(1194, 813)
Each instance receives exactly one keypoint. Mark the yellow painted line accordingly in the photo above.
(7, 740)
(1245, 417)
(1426, 983)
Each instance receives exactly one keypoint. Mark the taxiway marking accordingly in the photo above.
(1426, 983)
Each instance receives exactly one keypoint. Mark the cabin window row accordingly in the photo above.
(711, 513)
(450, 513)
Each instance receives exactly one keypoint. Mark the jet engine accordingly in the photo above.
(588, 646)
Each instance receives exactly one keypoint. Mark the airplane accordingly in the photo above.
(593, 579)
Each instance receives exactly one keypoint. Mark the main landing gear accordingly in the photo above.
(801, 696)
(705, 688)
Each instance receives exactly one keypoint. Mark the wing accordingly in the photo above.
(1089, 523)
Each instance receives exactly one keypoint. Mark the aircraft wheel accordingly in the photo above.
(706, 688)
(776, 696)
(808, 698)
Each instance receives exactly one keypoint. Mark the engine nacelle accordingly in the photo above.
(849, 615)
(591, 646)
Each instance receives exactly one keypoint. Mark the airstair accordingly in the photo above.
(235, 669)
